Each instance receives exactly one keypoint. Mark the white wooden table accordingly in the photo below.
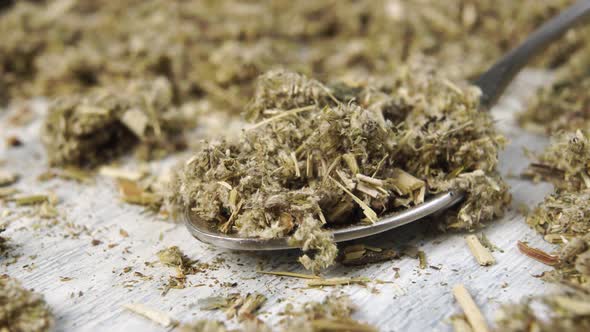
(418, 300)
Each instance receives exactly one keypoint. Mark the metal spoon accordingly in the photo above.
(492, 84)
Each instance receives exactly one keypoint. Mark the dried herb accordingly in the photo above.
(84, 130)
(460, 323)
(173, 257)
(482, 254)
(7, 178)
(3, 242)
(80, 45)
(207, 325)
(488, 244)
(538, 254)
(360, 254)
(565, 162)
(422, 260)
(338, 281)
(134, 193)
(322, 159)
(564, 214)
(122, 174)
(7, 192)
(21, 309)
(235, 305)
(332, 314)
(472, 312)
(203, 326)
(563, 105)
(31, 199)
(48, 210)
(562, 218)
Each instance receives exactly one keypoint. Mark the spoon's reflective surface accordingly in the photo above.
(492, 84)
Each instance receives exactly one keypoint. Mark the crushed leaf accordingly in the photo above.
(21, 309)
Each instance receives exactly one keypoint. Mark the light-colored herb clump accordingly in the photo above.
(561, 312)
(214, 50)
(3, 242)
(334, 313)
(564, 217)
(321, 155)
(563, 105)
(21, 309)
(565, 162)
(562, 214)
(90, 128)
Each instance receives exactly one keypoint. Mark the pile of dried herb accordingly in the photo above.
(564, 105)
(322, 155)
(22, 310)
(562, 109)
(7, 178)
(563, 312)
(565, 162)
(564, 217)
(215, 49)
(332, 314)
(89, 129)
(173, 257)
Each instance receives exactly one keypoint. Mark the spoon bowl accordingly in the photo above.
(208, 233)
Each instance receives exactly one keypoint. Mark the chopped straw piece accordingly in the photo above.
(120, 173)
(538, 254)
(154, 315)
(338, 281)
(482, 254)
(460, 324)
(474, 316)
(290, 274)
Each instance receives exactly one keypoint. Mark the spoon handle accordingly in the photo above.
(493, 82)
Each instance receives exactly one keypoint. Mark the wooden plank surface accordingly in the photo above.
(418, 300)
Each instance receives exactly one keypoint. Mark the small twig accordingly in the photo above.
(460, 324)
(482, 254)
(472, 312)
(155, 316)
(282, 115)
(337, 281)
(367, 211)
(537, 254)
